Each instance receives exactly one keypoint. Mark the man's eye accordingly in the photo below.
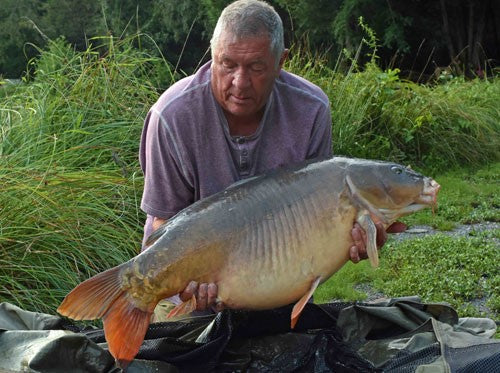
(258, 67)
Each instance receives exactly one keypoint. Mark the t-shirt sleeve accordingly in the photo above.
(320, 144)
(167, 189)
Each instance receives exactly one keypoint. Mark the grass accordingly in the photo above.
(61, 227)
(71, 184)
(440, 268)
(80, 109)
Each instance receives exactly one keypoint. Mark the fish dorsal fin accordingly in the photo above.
(153, 237)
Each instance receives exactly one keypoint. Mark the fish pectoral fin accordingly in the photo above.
(366, 222)
(184, 308)
(299, 306)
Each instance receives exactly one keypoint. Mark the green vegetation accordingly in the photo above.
(71, 185)
(468, 196)
(440, 268)
(71, 182)
(418, 36)
(376, 114)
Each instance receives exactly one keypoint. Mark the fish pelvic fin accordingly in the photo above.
(184, 308)
(102, 296)
(299, 306)
(366, 222)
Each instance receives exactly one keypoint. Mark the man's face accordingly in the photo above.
(243, 74)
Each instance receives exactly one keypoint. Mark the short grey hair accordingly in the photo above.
(251, 18)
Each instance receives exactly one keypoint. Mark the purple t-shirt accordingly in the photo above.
(187, 152)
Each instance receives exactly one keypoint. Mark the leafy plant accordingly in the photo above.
(440, 268)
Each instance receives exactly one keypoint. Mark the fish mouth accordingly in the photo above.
(428, 197)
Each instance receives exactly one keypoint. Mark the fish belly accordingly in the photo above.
(277, 265)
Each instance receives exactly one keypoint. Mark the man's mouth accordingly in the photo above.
(239, 99)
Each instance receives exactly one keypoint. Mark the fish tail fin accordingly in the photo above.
(125, 327)
(183, 308)
(101, 296)
(92, 298)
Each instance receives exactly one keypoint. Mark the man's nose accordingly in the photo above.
(241, 79)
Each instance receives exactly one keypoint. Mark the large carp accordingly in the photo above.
(266, 242)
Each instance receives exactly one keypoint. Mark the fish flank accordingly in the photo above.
(280, 239)
(270, 243)
(291, 230)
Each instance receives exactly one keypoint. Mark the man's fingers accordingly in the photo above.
(353, 254)
(212, 292)
(201, 299)
(358, 251)
(189, 291)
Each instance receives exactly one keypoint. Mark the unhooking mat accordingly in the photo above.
(396, 335)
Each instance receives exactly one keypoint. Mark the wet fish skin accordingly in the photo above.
(266, 242)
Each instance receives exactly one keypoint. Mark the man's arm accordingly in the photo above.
(158, 222)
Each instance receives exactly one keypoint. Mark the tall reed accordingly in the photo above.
(376, 114)
(70, 181)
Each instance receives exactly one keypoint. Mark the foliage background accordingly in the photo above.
(417, 36)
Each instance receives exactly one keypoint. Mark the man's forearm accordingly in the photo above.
(157, 222)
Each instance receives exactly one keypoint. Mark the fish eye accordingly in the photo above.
(396, 169)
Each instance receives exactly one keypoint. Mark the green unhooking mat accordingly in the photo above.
(397, 335)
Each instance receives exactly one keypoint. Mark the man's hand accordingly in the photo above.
(358, 250)
(206, 296)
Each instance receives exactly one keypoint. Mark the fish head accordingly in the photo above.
(389, 190)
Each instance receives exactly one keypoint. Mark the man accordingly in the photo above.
(238, 116)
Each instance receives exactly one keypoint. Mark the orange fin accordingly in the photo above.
(183, 308)
(102, 297)
(125, 327)
(92, 298)
(299, 306)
